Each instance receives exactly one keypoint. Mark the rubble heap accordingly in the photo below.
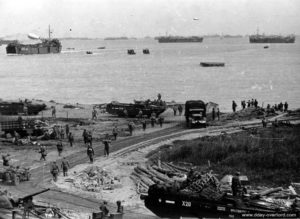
(95, 179)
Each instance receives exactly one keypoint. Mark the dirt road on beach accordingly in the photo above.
(41, 177)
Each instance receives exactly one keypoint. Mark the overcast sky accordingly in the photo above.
(102, 18)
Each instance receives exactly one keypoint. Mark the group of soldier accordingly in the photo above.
(178, 108)
(214, 114)
(244, 104)
(55, 169)
(279, 107)
(250, 103)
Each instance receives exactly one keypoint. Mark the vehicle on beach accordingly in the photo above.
(14, 176)
(132, 110)
(12, 125)
(195, 113)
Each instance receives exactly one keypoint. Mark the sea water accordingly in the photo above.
(269, 75)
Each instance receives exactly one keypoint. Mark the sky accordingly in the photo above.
(140, 18)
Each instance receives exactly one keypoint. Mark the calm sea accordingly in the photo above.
(269, 75)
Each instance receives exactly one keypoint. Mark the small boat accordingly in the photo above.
(212, 64)
(146, 51)
(89, 52)
(101, 47)
(130, 52)
(70, 48)
(266, 47)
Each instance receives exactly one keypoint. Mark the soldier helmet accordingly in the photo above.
(237, 173)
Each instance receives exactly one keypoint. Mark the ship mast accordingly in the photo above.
(49, 32)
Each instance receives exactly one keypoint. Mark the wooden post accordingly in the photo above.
(159, 161)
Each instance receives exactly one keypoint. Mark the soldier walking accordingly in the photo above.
(175, 110)
(54, 171)
(152, 119)
(71, 139)
(85, 136)
(180, 109)
(67, 130)
(286, 106)
(106, 143)
(161, 120)
(130, 127)
(5, 159)
(43, 152)
(236, 184)
(234, 106)
(218, 113)
(53, 112)
(94, 114)
(144, 124)
(255, 103)
(213, 114)
(65, 166)
(90, 152)
(60, 147)
(62, 133)
(115, 132)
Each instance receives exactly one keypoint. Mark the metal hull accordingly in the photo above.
(46, 47)
(133, 109)
(180, 39)
(212, 64)
(176, 205)
(271, 39)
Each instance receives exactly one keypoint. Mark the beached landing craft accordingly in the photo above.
(45, 46)
(133, 109)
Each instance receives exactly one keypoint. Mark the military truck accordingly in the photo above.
(14, 176)
(195, 113)
(16, 124)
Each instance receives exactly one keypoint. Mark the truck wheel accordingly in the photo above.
(16, 180)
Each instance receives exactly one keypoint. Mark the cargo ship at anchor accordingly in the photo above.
(258, 38)
(179, 39)
(45, 46)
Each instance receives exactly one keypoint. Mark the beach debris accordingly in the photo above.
(94, 179)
